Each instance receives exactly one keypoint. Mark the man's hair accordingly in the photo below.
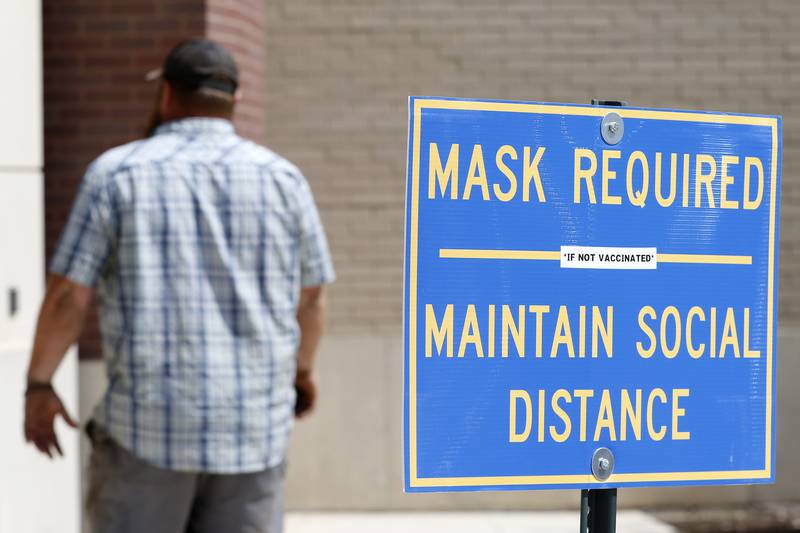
(204, 100)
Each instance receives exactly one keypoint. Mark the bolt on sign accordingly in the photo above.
(589, 292)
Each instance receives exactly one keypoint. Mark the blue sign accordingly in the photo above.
(576, 280)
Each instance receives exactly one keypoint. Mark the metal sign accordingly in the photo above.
(590, 296)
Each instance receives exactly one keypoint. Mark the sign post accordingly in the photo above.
(598, 511)
(599, 506)
(590, 298)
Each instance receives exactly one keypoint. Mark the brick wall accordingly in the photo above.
(96, 53)
(240, 26)
(333, 79)
(339, 74)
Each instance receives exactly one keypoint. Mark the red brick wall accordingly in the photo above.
(240, 26)
(96, 53)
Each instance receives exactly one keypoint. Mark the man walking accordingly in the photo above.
(209, 260)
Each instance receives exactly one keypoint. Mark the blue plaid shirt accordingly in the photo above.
(198, 242)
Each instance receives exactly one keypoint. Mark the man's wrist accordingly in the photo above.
(33, 386)
(304, 371)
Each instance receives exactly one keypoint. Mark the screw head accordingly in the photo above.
(602, 464)
(612, 128)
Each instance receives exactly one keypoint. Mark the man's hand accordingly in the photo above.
(42, 405)
(60, 321)
(306, 387)
(310, 317)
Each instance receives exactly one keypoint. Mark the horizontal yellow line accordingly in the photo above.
(587, 479)
(544, 255)
(706, 259)
(450, 253)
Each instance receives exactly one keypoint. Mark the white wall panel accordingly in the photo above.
(21, 89)
(37, 495)
(21, 256)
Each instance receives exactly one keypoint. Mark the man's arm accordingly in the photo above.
(60, 322)
(310, 317)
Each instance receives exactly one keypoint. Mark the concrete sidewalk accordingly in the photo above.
(478, 522)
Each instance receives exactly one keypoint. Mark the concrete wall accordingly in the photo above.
(338, 78)
(349, 454)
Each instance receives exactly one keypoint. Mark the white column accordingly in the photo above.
(37, 495)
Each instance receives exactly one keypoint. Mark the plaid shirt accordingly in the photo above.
(198, 242)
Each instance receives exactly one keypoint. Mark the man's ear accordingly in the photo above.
(238, 95)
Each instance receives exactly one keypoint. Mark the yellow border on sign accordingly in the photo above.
(417, 482)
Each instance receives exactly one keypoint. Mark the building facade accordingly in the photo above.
(327, 85)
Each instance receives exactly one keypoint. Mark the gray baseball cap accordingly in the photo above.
(199, 63)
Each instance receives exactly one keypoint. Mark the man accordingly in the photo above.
(209, 260)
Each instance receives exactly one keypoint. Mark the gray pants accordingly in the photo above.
(127, 495)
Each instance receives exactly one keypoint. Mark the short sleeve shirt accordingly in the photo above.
(198, 242)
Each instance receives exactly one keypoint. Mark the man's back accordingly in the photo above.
(209, 260)
(199, 242)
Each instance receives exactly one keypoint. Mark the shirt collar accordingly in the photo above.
(197, 125)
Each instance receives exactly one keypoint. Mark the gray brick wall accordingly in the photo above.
(339, 73)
